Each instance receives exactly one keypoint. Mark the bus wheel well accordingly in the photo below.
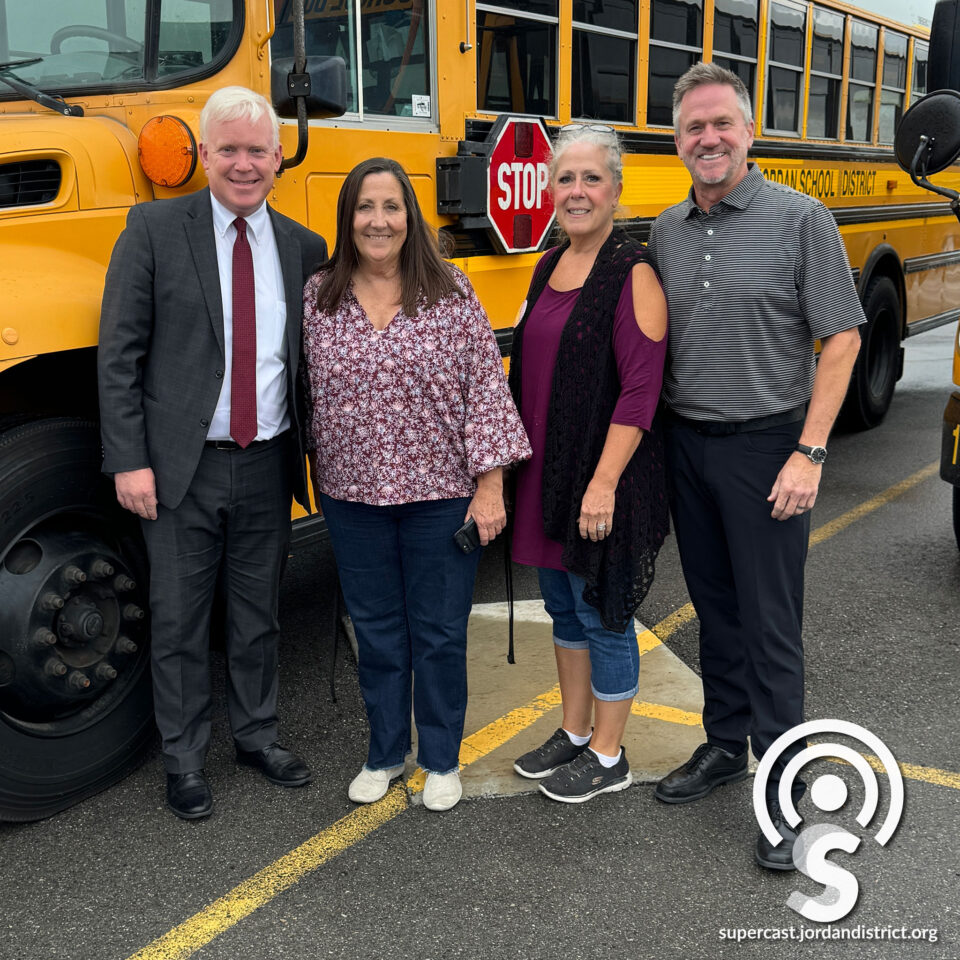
(51, 385)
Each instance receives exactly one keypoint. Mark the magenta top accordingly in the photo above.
(640, 365)
(413, 412)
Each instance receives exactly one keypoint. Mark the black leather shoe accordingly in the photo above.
(277, 764)
(707, 768)
(188, 795)
(779, 857)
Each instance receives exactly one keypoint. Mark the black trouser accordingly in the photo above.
(235, 512)
(744, 573)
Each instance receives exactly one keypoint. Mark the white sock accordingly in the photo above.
(575, 740)
(605, 760)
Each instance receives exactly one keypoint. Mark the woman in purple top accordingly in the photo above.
(591, 508)
(409, 428)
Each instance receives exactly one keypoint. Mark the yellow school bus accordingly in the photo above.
(99, 102)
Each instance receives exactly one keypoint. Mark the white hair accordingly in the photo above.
(235, 103)
(594, 135)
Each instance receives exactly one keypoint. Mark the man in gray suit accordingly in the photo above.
(199, 348)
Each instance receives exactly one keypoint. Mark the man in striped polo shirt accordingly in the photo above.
(754, 272)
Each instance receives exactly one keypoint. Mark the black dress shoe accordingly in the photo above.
(779, 857)
(277, 764)
(188, 795)
(707, 768)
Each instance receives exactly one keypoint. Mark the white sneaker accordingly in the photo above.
(442, 790)
(368, 786)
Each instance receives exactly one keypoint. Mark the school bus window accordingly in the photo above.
(329, 30)
(826, 69)
(676, 44)
(863, 70)
(894, 86)
(604, 59)
(396, 68)
(192, 34)
(70, 57)
(735, 39)
(392, 75)
(918, 88)
(788, 26)
(517, 57)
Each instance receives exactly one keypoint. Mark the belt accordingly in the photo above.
(233, 445)
(725, 428)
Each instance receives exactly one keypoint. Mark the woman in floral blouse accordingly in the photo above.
(411, 423)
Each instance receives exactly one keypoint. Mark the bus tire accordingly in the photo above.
(956, 515)
(76, 707)
(878, 363)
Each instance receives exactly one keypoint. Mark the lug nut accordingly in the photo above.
(132, 612)
(44, 637)
(105, 672)
(101, 569)
(51, 601)
(78, 680)
(54, 667)
(73, 574)
(123, 584)
(125, 645)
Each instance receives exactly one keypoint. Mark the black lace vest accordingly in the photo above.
(619, 569)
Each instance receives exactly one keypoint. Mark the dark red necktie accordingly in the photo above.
(243, 372)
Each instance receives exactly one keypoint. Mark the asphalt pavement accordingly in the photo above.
(305, 874)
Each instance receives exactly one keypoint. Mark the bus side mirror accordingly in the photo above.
(323, 87)
(928, 137)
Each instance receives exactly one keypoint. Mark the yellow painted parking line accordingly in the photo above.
(647, 640)
(880, 500)
(940, 778)
(659, 711)
(257, 891)
(184, 940)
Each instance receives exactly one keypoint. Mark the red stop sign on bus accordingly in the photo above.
(518, 201)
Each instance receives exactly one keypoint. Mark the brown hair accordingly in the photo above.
(701, 74)
(423, 272)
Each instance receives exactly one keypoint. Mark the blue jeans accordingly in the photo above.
(614, 657)
(408, 590)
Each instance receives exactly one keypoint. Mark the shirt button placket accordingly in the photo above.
(706, 271)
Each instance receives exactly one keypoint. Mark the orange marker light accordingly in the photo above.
(168, 152)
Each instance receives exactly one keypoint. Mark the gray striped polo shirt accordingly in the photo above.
(749, 288)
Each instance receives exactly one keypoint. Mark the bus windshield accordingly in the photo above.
(102, 43)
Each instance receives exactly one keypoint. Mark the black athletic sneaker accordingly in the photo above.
(585, 776)
(549, 757)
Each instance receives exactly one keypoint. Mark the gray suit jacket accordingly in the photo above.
(161, 357)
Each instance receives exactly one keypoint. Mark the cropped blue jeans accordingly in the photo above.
(614, 657)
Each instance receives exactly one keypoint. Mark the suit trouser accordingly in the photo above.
(235, 514)
(744, 573)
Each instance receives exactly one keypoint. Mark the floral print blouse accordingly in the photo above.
(413, 412)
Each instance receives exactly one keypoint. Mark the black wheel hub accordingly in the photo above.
(71, 621)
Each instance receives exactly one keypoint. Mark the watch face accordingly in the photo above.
(814, 454)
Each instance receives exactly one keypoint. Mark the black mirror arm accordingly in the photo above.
(298, 86)
(918, 169)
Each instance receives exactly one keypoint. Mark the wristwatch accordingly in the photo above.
(813, 454)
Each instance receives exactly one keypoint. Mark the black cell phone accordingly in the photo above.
(467, 538)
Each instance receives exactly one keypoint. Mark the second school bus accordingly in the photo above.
(99, 102)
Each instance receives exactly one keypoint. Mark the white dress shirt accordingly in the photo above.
(272, 415)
